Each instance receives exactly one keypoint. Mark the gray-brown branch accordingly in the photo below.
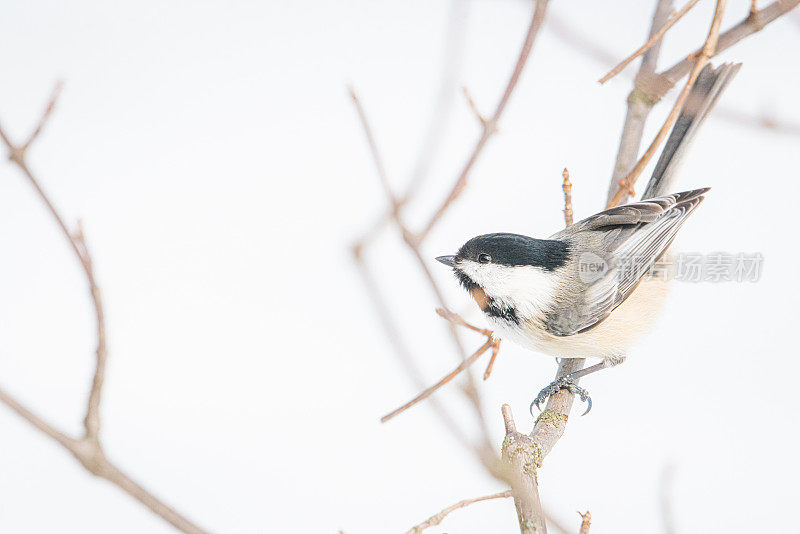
(88, 448)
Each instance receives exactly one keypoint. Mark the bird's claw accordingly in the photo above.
(565, 382)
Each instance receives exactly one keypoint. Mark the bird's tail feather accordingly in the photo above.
(704, 94)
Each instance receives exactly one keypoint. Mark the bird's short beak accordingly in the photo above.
(450, 261)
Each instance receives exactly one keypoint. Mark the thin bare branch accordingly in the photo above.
(473, 106)
(48, 110)
(458, 320)
(706, 53)
(490, 126)
(444, 380)
(652, 41)
(37, 422)
(88, 449)
(436, 519)
(92, 420)
(566, 186)
(379, 166)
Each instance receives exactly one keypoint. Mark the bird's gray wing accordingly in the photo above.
(614, 249)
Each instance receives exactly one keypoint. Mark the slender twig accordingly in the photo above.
(38, 423)
(87, 449)
(586, 522)
(48, 110)
(465, 363)
(652, 41)
(705, 55)
(436, 519)
(458, 320)
(755, 22)
(379, 166)
(490, 125)
(473, 106)
(566, 186)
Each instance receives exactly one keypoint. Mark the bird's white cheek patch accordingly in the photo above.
(527, 289)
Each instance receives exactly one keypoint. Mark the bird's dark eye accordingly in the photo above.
(484, 258)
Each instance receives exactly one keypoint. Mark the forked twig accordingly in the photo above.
(457, 319)
(586, 522)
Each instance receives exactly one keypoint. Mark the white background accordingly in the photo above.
(215, 159)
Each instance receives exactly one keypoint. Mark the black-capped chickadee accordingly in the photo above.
(585, 291)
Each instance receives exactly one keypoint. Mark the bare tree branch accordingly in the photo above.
(87, 449)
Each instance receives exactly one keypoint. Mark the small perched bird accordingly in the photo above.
(585, 291)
